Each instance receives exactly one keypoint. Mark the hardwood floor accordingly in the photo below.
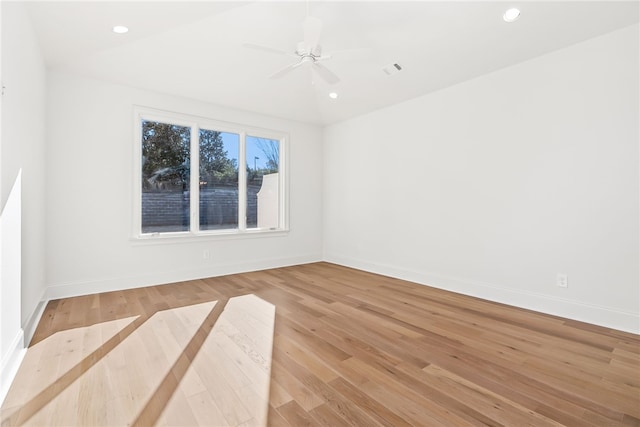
(318, 344)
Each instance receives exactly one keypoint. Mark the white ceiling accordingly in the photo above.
(194, 49)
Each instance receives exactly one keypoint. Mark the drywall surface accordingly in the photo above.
(23, 145)
(11, 332)
(90, 195)
(494, 186)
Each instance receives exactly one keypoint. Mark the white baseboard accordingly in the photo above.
(598, 315)
(570, 309)
(32, 322)
(66, 290)
(11, 361)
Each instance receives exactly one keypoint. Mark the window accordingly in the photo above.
(195, 176)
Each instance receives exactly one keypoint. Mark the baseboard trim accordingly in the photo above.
(576, 310)
(33, 320)
(10, 364)
(67, 290)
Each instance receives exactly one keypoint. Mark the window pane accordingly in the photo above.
(263, 162)
(218, 180)
(165, 177)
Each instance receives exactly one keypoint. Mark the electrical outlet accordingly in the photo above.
(562, 280)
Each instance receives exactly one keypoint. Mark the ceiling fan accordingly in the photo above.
(307, 51)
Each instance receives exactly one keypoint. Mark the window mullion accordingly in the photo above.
(282, 193)
(194, 181)
(242, 183)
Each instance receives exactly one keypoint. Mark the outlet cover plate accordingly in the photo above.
(562, 280)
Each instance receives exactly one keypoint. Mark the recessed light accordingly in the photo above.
(120, 29)
(511, 15)
(333, 95)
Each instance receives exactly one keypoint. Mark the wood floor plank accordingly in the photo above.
(301, 394)
(342, 406)
(319, 345)
(308, 359)
(376, 410)
(295, 415)
(323, 415)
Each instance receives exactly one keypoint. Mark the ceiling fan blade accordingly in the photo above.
(349, 54)
(312, 30)
(267, 49)
(326, 74)
(286, 70)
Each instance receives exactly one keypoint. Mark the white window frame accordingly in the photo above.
(195, 123)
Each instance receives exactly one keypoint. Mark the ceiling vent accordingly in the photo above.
(392, 69)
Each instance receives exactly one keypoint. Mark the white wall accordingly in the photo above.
(21, 193)
(89, 194)
(23, 142)
(11, 332)
(493, 186)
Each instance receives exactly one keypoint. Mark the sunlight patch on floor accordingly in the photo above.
(171, 368)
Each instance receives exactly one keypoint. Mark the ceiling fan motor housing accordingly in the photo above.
(310, 52)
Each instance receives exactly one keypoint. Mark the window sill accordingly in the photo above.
(187, 237)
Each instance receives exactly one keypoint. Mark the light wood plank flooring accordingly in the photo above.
(318, 344)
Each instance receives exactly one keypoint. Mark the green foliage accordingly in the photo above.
(166, 159)
(165, 155)
(215, 166)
